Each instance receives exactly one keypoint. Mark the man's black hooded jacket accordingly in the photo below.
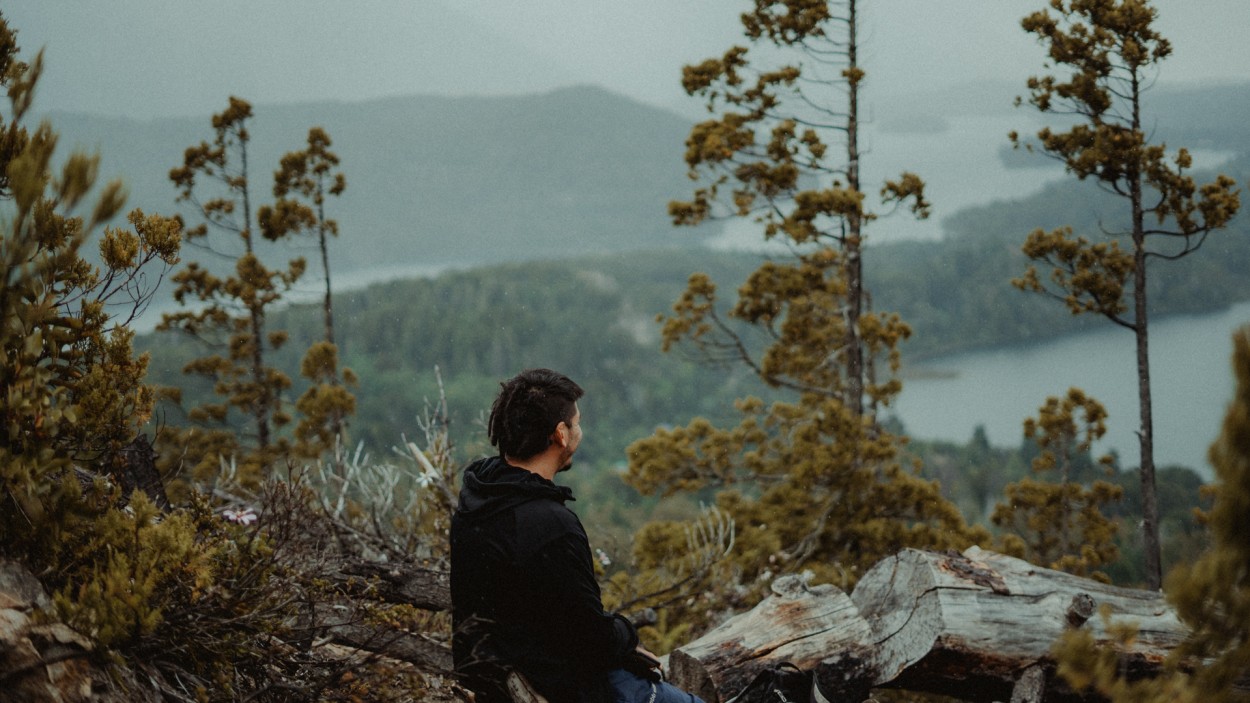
(523, 589)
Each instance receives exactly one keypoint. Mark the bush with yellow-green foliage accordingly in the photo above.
(73, 390)
(1212, 594)
(808, 485)
(139, 566)
(681, 572)
(208, 605)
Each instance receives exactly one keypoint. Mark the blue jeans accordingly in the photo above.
(629, 688)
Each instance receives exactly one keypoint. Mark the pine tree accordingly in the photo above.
(814, 481)
(1060, 524)
(1112, 49)
(772, 155)
(230, 310)
(301, 185)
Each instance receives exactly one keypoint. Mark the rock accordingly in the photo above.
(39, 662)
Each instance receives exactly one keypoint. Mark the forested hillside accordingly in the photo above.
(595, 317)
(957, 295)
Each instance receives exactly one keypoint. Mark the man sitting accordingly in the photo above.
(524, 594)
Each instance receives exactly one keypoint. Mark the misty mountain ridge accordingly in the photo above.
(436, 180)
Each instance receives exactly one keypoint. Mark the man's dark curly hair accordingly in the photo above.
(528, 409)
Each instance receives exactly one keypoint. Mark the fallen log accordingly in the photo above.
(971, 625)
(349, 625)
(978, 626)
(798, 623)
(427, 589)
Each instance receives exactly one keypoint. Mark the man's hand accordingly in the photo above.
(655, 661)
(643, 664)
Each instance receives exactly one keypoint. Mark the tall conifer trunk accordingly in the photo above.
(1141, 329)
(1150, 503)
(854, 223)
(325, 267)
(336, 416)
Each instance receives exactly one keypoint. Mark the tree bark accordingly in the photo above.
(1031, 688)
(336, 416)
(345, 624)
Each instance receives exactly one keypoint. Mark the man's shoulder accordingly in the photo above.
(550, 518)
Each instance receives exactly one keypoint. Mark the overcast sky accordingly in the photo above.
(148, 58)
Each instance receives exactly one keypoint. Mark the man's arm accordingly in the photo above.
(599, 640)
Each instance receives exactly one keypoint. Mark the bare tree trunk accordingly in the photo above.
(428, 589)
(853, 237)
(1141, 329)
(325, 268)
(347, 625)
(1149, 497)
(336, 416)
(261, 410)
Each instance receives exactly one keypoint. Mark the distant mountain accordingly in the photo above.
(445, 180)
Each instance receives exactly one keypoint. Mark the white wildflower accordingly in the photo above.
(246, 516)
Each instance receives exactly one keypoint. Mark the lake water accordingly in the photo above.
(1191, 375)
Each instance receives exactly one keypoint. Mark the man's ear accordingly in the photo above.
(561, 435)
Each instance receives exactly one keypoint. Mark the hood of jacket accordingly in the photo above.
(490, 485)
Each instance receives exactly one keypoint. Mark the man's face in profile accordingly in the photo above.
(574, 429)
